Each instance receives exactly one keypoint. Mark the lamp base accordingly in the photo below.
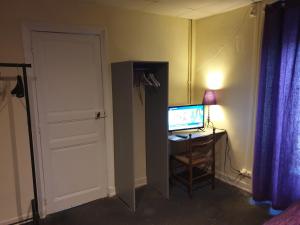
(209, 124)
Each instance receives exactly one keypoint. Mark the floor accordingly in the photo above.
(225, 205)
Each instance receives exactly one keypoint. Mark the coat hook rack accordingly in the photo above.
(34, 202)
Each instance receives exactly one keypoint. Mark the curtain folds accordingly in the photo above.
(276, 172)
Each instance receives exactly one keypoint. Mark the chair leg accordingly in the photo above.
(190, 169)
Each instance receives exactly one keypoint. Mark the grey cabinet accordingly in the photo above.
(126, 76)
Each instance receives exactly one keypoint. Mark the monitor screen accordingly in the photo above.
(186, 117)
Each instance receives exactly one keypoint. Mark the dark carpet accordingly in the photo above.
(226, 205)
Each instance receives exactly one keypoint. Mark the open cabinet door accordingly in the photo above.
(122, 84)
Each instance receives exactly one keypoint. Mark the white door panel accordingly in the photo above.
(67, 129)
(70, 94)
(68, 167)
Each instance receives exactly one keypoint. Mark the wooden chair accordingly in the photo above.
(196, 164)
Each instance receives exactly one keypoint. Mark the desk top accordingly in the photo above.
(195, 134)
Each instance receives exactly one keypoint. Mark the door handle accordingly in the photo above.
(99, 116)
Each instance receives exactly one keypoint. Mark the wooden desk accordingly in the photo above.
(197, 134)
(178, 144)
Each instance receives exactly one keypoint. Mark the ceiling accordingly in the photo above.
(191, 9)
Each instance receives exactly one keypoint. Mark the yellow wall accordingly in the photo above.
(131, 35)
(226, 58)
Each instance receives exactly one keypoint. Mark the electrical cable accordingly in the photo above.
(229, 157)
(227, 154)
(233, 169)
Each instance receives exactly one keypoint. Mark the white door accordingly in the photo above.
(70, 105)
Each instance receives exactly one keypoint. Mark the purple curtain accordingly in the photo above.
(276, 172)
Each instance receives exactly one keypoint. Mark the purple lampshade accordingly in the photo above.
(210, 97)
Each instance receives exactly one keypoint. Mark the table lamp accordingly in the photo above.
(209, 98)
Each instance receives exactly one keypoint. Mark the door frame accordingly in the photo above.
(27, 29)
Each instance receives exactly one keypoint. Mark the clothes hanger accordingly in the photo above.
(154, 80)
(147, 81)
(150, 80)
(18, 91)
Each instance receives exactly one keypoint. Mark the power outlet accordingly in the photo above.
(246, 173)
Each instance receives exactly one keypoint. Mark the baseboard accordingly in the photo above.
(111, 191)
(15, 219)
(241, 184)
(139, 182)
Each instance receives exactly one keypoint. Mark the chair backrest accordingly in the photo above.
(201, 147)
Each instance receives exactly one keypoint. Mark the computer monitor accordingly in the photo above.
(186, 117)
